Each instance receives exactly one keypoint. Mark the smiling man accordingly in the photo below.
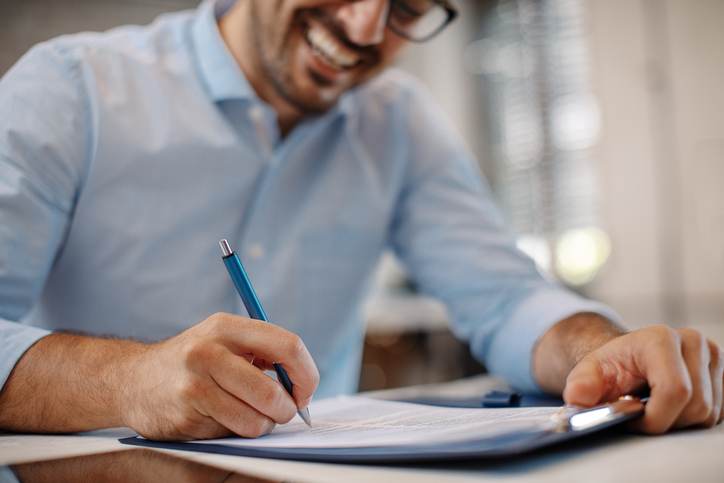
(301, 58)
(125, 156)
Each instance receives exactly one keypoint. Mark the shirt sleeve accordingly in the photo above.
(451, 238)
(43, 144)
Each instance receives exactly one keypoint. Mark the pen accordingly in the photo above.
(256, 311)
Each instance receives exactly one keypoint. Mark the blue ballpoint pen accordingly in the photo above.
(256, 311)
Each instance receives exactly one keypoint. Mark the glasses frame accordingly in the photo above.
(452, 14)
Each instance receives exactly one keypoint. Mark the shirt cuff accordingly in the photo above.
(15, 339)
(511, 348)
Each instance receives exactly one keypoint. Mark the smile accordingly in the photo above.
(328, 47)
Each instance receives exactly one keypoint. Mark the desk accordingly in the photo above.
(682, 456)
(692, 455)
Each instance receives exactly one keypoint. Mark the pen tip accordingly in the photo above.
(304, 414)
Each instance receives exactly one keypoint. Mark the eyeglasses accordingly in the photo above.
(420, 20)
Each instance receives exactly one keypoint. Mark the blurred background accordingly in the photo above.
(598, 123)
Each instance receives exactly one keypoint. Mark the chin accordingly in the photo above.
(310, 93)
(315, 76)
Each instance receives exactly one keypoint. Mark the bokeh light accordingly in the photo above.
(580, 254)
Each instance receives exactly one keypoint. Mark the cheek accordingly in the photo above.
(274, 25)
(388, 54)
(392, 47)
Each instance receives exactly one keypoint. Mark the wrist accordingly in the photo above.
(559, 350)
(128, 376)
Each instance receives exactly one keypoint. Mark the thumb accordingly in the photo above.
(585, 385)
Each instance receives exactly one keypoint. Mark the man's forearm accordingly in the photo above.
(565, 344)
(68, 383)
(198, 384)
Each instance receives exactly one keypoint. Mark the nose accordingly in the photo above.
(364, 21)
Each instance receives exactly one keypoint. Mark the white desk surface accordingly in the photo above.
(692, 455)
(696, 455)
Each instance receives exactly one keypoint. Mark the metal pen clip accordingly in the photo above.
(572, 419)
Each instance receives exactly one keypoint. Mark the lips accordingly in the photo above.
(330, 48)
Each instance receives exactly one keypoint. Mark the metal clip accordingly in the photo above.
(572, 419)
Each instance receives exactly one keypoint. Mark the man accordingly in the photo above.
(125, 156)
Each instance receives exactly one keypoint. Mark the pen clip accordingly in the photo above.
(572, 419)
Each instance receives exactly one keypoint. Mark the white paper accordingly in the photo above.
(354, 422)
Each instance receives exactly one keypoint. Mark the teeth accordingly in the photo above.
(324, 43)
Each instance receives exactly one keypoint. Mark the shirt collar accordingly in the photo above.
(219, 71)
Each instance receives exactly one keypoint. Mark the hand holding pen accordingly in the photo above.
(256, 311)
(203, 383)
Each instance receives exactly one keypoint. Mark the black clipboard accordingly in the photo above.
(563, 426)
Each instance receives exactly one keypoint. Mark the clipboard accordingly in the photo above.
(492, 399)
(566, 425)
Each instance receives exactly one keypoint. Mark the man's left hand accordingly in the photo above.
(682, 368)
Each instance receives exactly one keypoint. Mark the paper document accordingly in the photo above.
(355, 422)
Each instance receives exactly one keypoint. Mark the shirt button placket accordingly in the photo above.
(256, 113)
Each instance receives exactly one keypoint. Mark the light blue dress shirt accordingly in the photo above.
(125, 156)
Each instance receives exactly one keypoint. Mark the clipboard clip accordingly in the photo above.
(573, 419)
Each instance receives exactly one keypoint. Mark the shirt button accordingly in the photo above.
(256, 114)
(256, 251)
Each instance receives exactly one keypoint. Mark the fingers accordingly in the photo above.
(696, 354)
(271, 343)
(716, 372)
(250, 385)
(685, 373)
(668, 377)
(585, 385)
(234, 414)
(263, 365)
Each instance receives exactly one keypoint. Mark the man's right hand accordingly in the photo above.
(203, 384)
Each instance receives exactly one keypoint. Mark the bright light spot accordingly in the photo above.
(537, 248)
(590, 418)
(576, 122)
(580, 254)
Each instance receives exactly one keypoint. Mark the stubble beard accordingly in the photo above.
(276, 68)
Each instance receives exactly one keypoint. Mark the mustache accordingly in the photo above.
(369, 53)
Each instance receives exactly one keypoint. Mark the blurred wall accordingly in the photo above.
(658, 73)
(23, 23)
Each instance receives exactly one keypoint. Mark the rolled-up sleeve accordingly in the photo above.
(510, 349)
(451, 238)
(43, 145)
(15, 340)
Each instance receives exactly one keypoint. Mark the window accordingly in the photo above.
(543, 122)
